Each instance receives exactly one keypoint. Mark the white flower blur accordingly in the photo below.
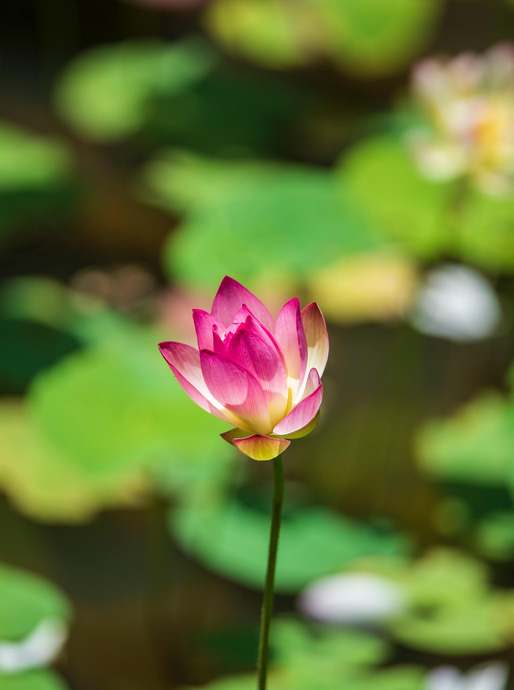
(352, 598)
(38, 649)
(492, 676)
(457, 303)
(468, 105)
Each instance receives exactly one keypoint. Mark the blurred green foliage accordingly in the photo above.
(231, 536)
(99, 426)
(36, 177)
(184, 93)
(32, 680)
(358, 35)
(109, 92)
(451, 608)
(323, 659)
(263, 223)
(431, 219)
(454, 449)
(472, 451)
(27, 602)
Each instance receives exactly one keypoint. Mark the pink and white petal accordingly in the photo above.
(302, 414)
(304, 430)
(204, 326)
(237, 390)
(255, 349)
(229, 299)
(308, 386)
(290, 336)
(242, 316)
(184, 361)
(312, 382)
(251, 347)
(317, 337)
(260, 447)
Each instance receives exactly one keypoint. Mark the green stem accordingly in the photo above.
(267, 603)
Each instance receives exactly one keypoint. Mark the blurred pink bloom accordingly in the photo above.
(468, 105)
(258, 374)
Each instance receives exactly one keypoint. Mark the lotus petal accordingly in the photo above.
(205, 323)
(304, 412)
(231, 296)
(184, 361)
(250, 348)
(237, 390)
(317, 337)
(290, 336)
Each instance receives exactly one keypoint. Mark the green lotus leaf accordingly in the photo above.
(27, 348)
(428, 581)
(30, 161)
(306, 661)
(450, 607)
(100, 427)
(31, 680)
(365, 38)
(27, 600)
(475, 628)
(265, 31)
(240, 215)
(494, 536)
(325, 660)
(375, 39)
(344, 650)
(476, 446)
(396, 678)
(45, 301)
(230, 536)
(430, 218)
(402, 678)
(399, 200)
(107, 93)
(35, 174)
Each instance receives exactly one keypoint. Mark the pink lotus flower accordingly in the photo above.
(260, 375)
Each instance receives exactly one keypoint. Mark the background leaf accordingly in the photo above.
(27, 600)
(430, 218)
(240, 215)
(99, 427)
(231, 537)
(107, 92)
(364, 38)
(35, 177)
(32, 680)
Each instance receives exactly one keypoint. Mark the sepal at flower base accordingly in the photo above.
(256, 446)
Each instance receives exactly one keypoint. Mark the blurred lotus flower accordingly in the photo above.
(38, 649)
(261, 375)
(468, 103)
(352, 598)
(491, 676)
(457, 303)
